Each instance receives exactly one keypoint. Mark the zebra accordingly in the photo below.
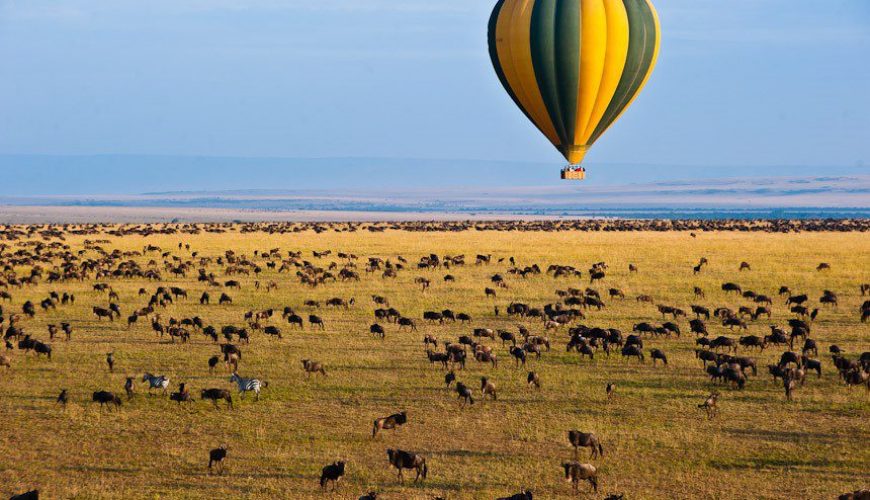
(248, 384)
(161, 382)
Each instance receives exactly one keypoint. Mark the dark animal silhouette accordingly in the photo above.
(217, 394)
(332, 473)
(106, 398)
(394, 421)
(217, 457)
(406, 460)
(585, 440)
(576, 472)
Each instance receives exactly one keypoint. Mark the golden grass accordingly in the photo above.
(657, 443)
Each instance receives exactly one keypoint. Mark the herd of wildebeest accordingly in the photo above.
(31, 255)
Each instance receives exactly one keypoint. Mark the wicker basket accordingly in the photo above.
(574, 174)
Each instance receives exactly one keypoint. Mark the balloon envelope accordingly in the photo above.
(573, 66)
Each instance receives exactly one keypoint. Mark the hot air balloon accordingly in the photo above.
(573, 66)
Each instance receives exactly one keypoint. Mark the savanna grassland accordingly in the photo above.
(657, 443)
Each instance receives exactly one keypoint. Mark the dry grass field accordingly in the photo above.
(657, 443)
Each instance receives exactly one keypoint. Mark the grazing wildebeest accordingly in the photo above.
(394, 421)
(62, 398)
(727, 343)
(106, 398)
(378, 330)
(406, 460)
(533, 380)
(507, 336)
(313, 367)
(216, 394)
(519, 355)
(464, 394)
(579, 440)
(407, 323)
(796, 299)
(633, 350)
(656, 354)
(212, 362)
(272, 331)
(487, 388)
(332, 473)
(372, 495)
(751, 341)
(438, 357)
(449, 378)
(295, 319)
(217, 457)
(128, 387)
(576, 472)
(316, 321)
(813, 364)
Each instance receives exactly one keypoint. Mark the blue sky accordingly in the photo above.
(739, 83)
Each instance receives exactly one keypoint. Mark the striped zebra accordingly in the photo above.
(155, 382)
(248, 384)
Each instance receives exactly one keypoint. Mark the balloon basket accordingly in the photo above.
(573, 173)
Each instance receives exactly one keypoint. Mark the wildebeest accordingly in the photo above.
(487, 388)
(393, 421)
(217, 456)
(576, 472)
(533, 380)
(658, 354)
(378, 330)
(406, 460)
(579, 440)
(633, 351)
(106, 398)
(313, 367)
(332, 473)
(407, 323)
(217, 394)
(449, 378)
(464, 393)
(316, 321)
(519, 355)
